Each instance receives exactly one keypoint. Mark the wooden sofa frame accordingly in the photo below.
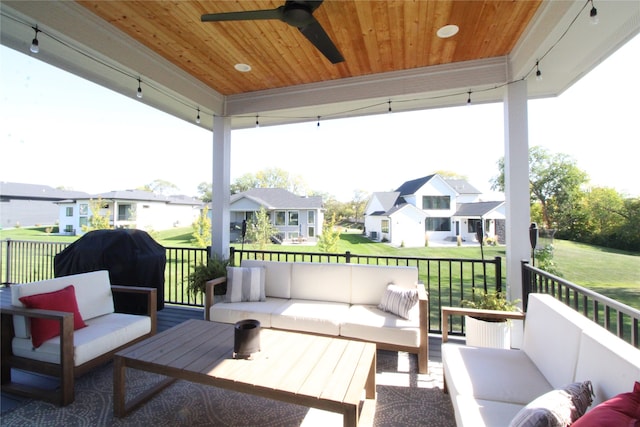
(423, 306)
(66, 372)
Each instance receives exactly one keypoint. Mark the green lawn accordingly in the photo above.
(609, 272)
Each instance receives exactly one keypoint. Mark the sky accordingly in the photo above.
(60, 130)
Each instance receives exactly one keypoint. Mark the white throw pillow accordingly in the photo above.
(245, 284)
(398, 301)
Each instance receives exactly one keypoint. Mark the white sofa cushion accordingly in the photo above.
(492, 374)
(321, 282)
(369, 323)
(318, 317)
(611, 364)
(369, 282)
(102, 334)
(233, 312)
(555, 354)
(471, 412)
(93, 294)
(277, 279)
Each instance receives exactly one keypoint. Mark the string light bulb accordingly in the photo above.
(593, 14)
(469, 98)
(318, 125)
(198, 116)
(390, 110)
(538, 72)
(139, 92)
(35, 47)
(257, 122)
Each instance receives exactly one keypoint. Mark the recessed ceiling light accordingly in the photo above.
(448, 31)
(243, 68)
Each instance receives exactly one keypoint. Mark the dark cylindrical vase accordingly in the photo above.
(246, 338)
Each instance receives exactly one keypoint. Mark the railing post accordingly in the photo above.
(347, 257)
(8, 260)
(526, 283)
(232, 255)
(498, 266)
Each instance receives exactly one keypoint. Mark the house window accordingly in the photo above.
(281, 217)
(473, 224)
(436, 202)
(311, 231)
(385, 225)
(84, 209)
(126, 213)
(311, 217)
(70, 211)
(83, 221)
(438, 224)
(293, 217)
(68, 228)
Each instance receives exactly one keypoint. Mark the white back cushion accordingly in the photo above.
(321, 282)
(552, 337)
(277, 277)
(611, 364)
(369, 282)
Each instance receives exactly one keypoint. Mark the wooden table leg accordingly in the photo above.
(370, 386)
(118, 387)
(350, 416)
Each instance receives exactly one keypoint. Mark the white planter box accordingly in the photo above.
(480, 333)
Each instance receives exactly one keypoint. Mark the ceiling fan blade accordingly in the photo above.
(316, 35)
(248, 15)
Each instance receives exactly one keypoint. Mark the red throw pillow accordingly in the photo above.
(62, 300)
(621, 410)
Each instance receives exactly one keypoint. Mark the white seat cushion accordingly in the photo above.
(369, 282)
(318, 317)
(225, 312)
(471, 412)
(372, 324)
(492, 374)
(102, 334)
(321, 282)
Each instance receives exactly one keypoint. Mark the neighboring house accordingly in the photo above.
(137, 209)
(297, 218)
(435, 209)
(30, 205)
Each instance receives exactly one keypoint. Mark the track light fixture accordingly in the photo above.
(593, 14)
(538, 72)
(35, 47)
(318, 125)
(390, 111)
(257, 122)
(198, 116)
(469, 98)
(139, 93)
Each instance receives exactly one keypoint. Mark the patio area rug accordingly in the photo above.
(405, 398)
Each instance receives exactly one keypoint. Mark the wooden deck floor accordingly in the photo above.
(167, 318)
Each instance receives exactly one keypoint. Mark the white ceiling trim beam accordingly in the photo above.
(469, 75)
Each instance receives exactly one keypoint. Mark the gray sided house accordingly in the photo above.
(136, 209)
(30, 205)
(297, 218)
(432, 209)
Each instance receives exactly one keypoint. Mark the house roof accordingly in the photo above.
(476, 209)
(462, 186)
(146, 196)
(278, 198)
(412, 187)
(403, 206)
(16, 190)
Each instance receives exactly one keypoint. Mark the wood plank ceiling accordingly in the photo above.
(373, 36)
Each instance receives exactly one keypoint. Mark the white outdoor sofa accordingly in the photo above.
(334, 300)
(488, 386)
(73, 352)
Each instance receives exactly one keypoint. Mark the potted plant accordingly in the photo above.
(214, 268)
(487, 331)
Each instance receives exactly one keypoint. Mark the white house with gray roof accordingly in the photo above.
(297, 218)
(137, 209)
(432, 208)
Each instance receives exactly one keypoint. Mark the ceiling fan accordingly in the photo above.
(297, 13)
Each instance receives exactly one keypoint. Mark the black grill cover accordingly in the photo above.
(132, 258)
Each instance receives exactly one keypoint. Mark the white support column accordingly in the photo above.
(516, 169)
(221, 186)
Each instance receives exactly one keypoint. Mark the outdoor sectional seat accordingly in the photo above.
(332, 299)
(490, 386)
(70, 353)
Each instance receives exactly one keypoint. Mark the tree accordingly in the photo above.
(99, 219)
(555, 183)
(159, 186)
(269, 178)
(328, 240)
(202, 229)
(205, 192)
(261, 229)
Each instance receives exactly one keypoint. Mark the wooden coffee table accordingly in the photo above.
(315, 371)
